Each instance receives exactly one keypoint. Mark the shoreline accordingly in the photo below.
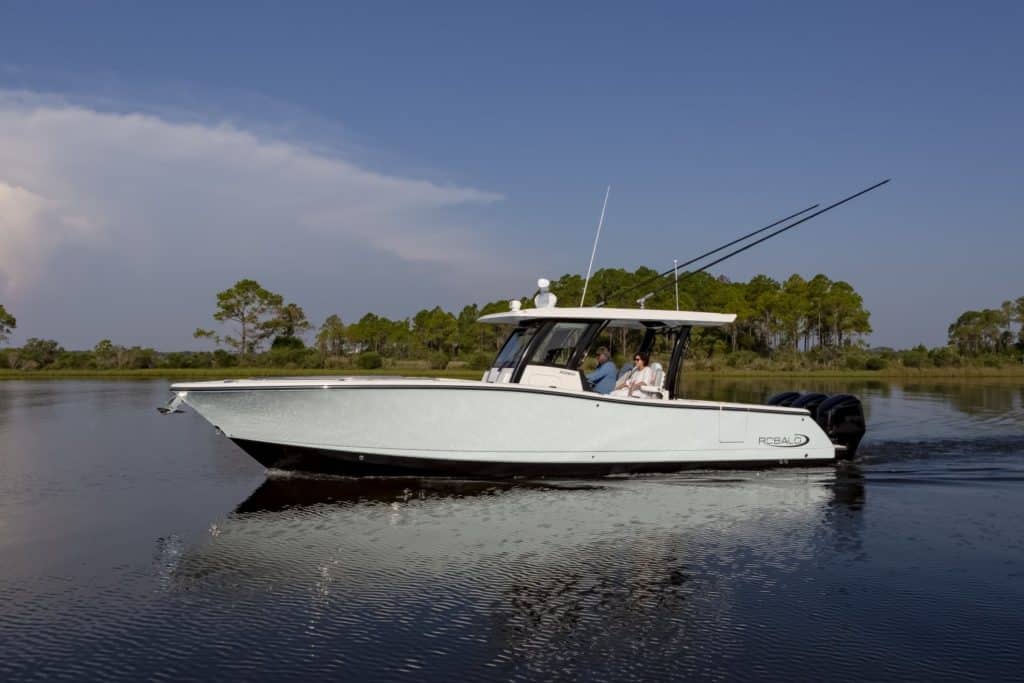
(1013, 372)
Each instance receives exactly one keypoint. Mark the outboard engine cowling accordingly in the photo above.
(786, 398)
(842, 418)
(810, 401)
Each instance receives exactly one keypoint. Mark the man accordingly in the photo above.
(603, 378)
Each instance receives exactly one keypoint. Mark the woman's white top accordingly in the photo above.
(634, 380)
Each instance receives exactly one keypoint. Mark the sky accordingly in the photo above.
(395, 156)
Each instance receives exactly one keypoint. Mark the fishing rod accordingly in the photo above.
(773, 234)
(675, 268)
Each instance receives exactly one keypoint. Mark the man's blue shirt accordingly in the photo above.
(603, 378)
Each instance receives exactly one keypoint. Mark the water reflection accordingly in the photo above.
(521, 576)
(283, 491)
(971, 398)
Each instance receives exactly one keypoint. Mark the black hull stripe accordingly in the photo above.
(319, 460)
(528, 390)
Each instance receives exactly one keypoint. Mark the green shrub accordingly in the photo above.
(138, 358)
(220, 359)
(290, 357)
(855, 361)
(290, 343)
(741, 359)
(369, 360)
(787, 359)
(481, 360)
(876, 363)
(944, 357)
(438, 360)
(916, 357)
(73, 360)
(40, 352)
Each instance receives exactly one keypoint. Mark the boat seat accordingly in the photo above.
(656, 389)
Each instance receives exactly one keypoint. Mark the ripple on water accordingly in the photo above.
(906, 565)
(658, 577)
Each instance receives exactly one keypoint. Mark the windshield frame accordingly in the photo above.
(521, 336)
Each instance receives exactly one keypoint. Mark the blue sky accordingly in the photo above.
(396, 155)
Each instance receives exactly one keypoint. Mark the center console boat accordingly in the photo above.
(532, 414)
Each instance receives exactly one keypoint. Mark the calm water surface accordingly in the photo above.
(139, 546)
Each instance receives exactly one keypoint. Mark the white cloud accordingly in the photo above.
(31, 226)
(143, 189)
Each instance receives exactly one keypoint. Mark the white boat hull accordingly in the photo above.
(413, 427)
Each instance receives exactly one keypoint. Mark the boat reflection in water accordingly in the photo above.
(534, 578)
(285, 491)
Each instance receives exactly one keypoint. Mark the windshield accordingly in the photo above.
(514, 345)
(560, 344)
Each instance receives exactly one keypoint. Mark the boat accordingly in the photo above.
(532, 414)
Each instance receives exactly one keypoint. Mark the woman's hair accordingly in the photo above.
(644, 356)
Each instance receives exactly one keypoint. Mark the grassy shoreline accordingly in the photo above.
(1010, 372)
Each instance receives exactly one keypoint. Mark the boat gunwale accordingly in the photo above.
(475, 385)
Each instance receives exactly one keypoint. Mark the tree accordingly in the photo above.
(466, 339)
(730, 299)
(491, 337)
(247, 304)
(436, 328)
(793, 309)
(330, 339)
(817, 289)
(763, 297)
(39, 352)
(369, 333)
(106, 354)
(7, 324)
(287, 326)
(977, 332)
(1018, 307)
(845, 310)
(1008, 310)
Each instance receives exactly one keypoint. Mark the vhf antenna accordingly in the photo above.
(596, 238)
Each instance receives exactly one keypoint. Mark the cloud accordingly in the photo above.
(31, 226)
(141, 189)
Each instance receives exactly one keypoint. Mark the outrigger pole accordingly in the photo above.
(675, 268)
(773, 234)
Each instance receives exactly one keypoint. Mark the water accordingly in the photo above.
(134, 546)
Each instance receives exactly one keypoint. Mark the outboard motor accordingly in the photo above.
(842, 418)
(784, 399)
(810, 401)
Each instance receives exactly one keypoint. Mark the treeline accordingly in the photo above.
(991, 337)
(796, 323)
(990, 330)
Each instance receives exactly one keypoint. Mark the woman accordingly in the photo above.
(631, 383)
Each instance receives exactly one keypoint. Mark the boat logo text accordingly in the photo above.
(792, 441)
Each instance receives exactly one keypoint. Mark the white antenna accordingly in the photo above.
(675, 271)
(596, 238)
